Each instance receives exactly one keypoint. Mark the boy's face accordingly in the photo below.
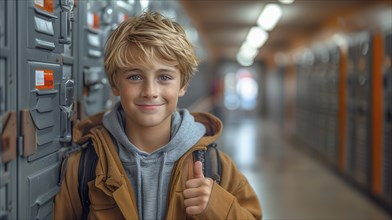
(149, 94)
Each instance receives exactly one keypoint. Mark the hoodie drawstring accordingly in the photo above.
(160, 192)
(139, 185)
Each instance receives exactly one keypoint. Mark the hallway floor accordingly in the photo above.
(289, 183)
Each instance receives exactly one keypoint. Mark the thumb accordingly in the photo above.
(198, 170)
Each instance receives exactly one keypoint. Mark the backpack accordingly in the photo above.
(210, 158)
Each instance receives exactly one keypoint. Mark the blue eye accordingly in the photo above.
(135, 77)
(165, 77)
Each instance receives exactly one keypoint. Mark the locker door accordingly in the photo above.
(363, 109)
(387, 143)
(8, 116)
(350, 122)
(45, 90)
(95, 23)
(360, 108)
(332, 90)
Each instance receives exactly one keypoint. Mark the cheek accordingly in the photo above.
(171, 95)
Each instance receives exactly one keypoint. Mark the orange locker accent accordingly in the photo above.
(96, 21)
(46, 5)
(342, 111)
(45, 80)
(377, 113)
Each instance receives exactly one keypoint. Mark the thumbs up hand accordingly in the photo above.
(198, 191)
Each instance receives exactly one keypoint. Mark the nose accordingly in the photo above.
(150, 89)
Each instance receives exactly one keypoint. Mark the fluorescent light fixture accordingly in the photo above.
(270, 16)
(256, 37)
(244, 60)
(286, 1)
(248, 50)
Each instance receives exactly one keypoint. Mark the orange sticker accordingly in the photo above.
(44, 79)
(46, 5)
(96, 21)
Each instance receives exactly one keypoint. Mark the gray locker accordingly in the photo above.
(332, 80)
(359, 104)
(387, 143)
(94, 22)
(45, 100)
(8, 115)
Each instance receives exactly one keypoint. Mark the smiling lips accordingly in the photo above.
(149, 107)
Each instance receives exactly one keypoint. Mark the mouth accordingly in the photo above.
(149, 107)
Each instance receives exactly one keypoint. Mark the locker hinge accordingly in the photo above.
(20, 145)
(8, 137)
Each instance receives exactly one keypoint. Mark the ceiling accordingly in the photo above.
(224, 24)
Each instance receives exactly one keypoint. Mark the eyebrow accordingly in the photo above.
(166, 70)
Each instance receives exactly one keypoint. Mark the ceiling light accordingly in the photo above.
(243, 60)
(256, 37)
(269, 17)
(248, 50)
(286, 1)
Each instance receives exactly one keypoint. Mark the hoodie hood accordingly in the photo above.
(150, 173)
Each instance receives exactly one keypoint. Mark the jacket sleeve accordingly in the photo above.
(67, 203)
(234, 198)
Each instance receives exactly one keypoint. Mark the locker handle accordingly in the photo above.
(29, 133)
(47, 196)
(64, 39)
(46, 92)
(44, 44)
(92, 30)
(8, 137)
(42, 12)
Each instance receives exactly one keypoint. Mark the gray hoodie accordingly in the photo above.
(149, 173)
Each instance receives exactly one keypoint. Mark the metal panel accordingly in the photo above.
(7, 111)
(95, 23)
(332, 106)
(45, 100)
(359, 104)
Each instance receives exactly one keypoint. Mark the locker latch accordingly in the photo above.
(66, 16)
(66, 106)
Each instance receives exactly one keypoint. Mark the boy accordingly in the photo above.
(145, 168)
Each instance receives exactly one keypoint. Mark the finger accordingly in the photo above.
(191, 193)
(197, 201)
(198, 170)
(193, 183)
(195, 192)
(194, 210)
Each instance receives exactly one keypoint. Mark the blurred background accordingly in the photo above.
(303, 87)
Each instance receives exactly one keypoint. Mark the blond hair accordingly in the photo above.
(138, 39)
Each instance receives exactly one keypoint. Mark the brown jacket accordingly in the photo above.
(112, 196)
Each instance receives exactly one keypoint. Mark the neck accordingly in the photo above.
(149, 139)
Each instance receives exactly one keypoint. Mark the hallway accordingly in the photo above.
(291, 184)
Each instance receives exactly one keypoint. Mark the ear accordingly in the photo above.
(115, 91)
(183, 91)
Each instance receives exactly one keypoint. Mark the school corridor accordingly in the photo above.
(289, 181)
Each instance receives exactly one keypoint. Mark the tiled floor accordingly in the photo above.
(290, 184)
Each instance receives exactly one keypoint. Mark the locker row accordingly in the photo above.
(343, 107)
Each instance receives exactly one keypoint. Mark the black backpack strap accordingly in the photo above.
(86, 173)
(212, 166)
(64, 162)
